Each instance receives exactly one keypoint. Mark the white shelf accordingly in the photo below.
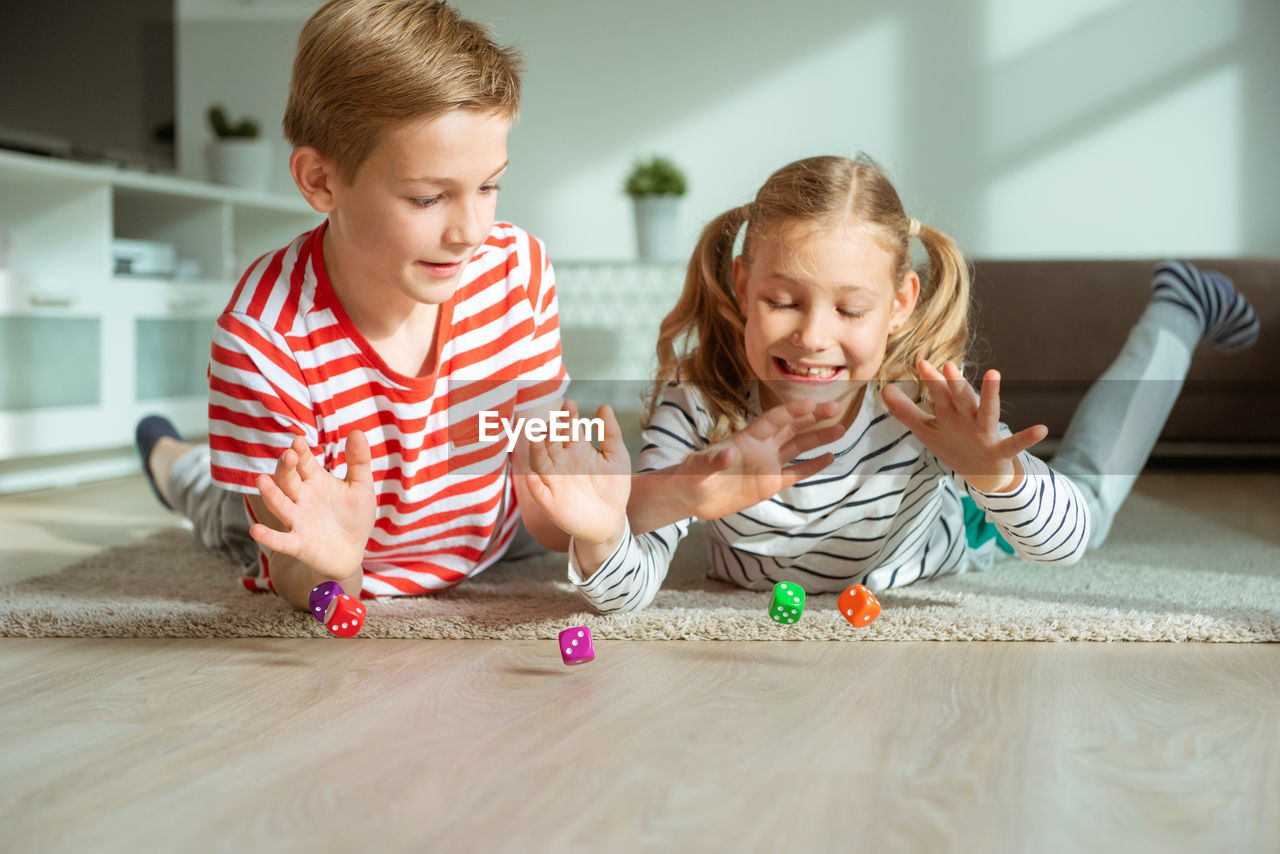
(86, 352)
(610, 312)
(17, 169)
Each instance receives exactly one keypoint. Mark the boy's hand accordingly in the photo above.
(583, 490)
(754, 464)
(328, 520)
(963, 431)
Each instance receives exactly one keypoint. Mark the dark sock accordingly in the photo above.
(1227, 320)
(149, 431)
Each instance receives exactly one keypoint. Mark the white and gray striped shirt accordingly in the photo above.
(885, 513)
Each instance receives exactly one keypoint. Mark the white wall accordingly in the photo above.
(1063, 128)
(242, 61)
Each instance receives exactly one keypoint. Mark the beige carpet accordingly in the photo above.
(1165, 575)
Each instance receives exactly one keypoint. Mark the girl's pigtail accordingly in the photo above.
(938, 329)
(700, 340)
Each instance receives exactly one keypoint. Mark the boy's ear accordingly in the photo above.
(904, 298)
(315, 176)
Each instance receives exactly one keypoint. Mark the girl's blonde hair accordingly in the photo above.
(701, 340)
(365, 65)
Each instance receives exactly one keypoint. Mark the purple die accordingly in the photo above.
(575, 645)
(321, 597)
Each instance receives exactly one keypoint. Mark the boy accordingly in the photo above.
(349, 369)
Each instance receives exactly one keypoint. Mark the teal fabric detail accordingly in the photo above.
(978, 530)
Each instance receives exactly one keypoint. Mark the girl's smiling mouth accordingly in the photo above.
(809, 373)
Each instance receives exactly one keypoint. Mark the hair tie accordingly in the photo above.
(913, 227)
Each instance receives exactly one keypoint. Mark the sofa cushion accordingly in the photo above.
(1052, 327)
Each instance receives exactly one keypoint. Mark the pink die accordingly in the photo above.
(575, 645)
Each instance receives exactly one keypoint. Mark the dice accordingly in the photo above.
(322, 596)
(788, 602)
(858, 605)
(575, 645)
(346, 616)
(341, 615)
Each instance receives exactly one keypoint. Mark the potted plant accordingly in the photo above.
(655, 187)
(237, 155)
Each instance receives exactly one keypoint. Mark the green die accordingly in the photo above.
(788, 602)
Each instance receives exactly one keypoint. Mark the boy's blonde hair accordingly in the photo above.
(364, 65)
(701, 340)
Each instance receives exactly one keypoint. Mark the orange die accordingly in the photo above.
(858, 605)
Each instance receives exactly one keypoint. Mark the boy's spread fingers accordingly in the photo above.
(359, 458)
(286, 462)
(280, 505)
(308, 465)
(612, 444)
(290, 484)
(268, 537)
(286, 476)
(539, 460)
(300, 448)
(356, 449)
(275, 540)
(538, 489)
(266, 485)
(571, 409)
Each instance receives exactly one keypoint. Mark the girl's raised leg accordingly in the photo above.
(1116, 425)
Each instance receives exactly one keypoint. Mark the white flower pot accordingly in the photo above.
(240, 162)
(657, 227)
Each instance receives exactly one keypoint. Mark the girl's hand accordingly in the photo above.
(328, 520)
(583, 490)
(754, 464)
(963, 431)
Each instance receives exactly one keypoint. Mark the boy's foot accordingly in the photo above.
(150, 430)
(1226, 318)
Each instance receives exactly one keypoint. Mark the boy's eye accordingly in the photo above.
(424, 202)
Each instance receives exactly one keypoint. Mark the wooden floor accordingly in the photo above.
(327, 745)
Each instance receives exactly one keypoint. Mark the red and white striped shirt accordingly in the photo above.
(287, 361)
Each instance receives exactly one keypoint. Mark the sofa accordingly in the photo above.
(1051, 327)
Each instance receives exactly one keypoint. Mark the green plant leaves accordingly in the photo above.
(656, 176)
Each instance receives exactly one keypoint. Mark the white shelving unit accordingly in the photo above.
(84, 352)
(610, 312)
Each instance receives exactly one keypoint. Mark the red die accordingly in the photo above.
(858, 605)
(346, 616)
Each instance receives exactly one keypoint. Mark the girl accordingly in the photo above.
(820, 339)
